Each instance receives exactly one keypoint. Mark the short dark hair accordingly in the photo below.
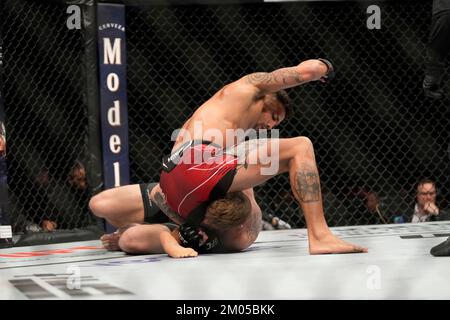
(424, 181)
(284, 99)
(228, 212)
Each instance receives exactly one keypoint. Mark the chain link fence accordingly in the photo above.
(374, 132)
(372, 128)
(46, 119)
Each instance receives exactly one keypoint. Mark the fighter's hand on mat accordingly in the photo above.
(183, 253)
(330, 73)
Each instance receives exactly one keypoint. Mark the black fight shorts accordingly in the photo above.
(152, 213)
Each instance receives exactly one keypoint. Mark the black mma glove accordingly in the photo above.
(330, 70)
(190, 237)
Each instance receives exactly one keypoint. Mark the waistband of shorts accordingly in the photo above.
(193, 143)
(205, 142)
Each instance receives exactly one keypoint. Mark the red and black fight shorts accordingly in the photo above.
(196, 173)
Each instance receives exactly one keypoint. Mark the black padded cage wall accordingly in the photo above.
(372, 128)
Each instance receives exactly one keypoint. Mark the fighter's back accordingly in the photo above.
(233, 107)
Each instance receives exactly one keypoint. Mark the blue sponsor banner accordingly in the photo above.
(113, 98)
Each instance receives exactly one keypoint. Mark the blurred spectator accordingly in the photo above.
(48, 225)
(266, 225)
(437, 49)
(426, 208)
(370, 212)
(363, 207)
(71, 198)
(373, 204)
(56, 205)
(77, 176)
(271, 222)
(43, 211)
(34, 212)
(2, 140)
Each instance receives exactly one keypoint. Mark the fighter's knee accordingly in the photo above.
(98, 205)
(303, 144)
(303, 141)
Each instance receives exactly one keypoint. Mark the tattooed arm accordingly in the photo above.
(159, 198)
(309, 70)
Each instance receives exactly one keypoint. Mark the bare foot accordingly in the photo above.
(332, 244)
(183, 253)
(111, 241)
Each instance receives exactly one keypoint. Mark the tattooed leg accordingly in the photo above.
(159, 198)
(296, 156)
(305, 184)
(308, 185)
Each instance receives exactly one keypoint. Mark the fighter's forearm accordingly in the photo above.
(309, 70)
(169, 243)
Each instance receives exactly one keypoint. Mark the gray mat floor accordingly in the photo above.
(277, 266)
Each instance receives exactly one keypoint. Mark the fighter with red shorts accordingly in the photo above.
(196, 173)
